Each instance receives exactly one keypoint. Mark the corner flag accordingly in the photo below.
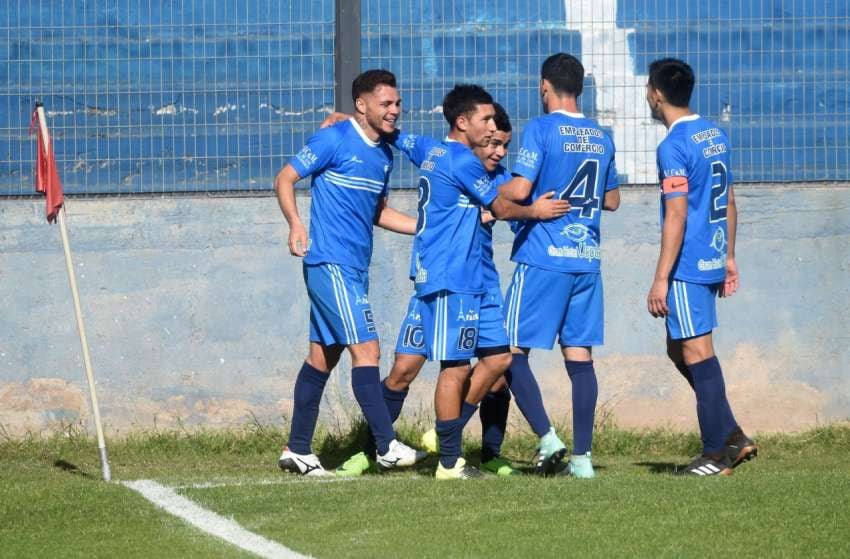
(46, 174)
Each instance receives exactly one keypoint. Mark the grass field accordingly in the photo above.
(794, 500)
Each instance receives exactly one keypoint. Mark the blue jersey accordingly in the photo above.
(572, 156)
(350, 174)
(453, 186)
(491, 274)
(693, 161)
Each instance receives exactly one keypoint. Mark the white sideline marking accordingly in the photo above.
(210, 522)
(277, 481)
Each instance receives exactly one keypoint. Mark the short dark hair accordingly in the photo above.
(369, 80)
(463, 99)
(674, 78)
(503, 121)
(565, 73)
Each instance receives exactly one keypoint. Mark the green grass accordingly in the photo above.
(792, 501)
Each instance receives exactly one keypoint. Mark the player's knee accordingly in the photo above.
(365, 354)
(498, 363)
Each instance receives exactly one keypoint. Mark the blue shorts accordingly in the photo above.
(542, 304)
(449, 324)
(693, 309)
(491, 325)
(339, 304)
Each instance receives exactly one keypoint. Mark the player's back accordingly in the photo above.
(350, 176)
(485, 230)
(453, 185)
(695, 148)
(571, 155)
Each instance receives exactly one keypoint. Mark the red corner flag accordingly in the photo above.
(46, 174)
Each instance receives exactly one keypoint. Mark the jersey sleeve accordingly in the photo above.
(673, 170)
(317, 153)
(530, 156)
(413, 146)
(474, 179)
(611, 181)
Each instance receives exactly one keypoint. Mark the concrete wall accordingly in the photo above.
(196, 313)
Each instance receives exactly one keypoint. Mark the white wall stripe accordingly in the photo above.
(210, 522)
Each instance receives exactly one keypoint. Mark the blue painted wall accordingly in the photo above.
(196, 312)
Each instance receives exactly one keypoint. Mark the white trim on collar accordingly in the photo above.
(686, 118)
(568, 113)
(363, 135)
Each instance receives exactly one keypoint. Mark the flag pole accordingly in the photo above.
(72, 279)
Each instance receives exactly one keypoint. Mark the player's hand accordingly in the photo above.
(297, 240)
(656, 301)
(486, 216)
(730, 284)
(334, 118)
(545, 207)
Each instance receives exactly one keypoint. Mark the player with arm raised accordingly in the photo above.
(697, 259)
(556, 290)
(350, 165)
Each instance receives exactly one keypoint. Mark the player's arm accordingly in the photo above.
(334, 118)
(730, 284)
(517, 189)
(393, 220)
(672, 234)
(284, 187)
(544, 208)
(612, 200)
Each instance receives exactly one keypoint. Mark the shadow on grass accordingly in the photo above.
(71, 469)
(661, 467)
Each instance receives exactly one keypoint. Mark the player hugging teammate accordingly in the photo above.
(563, 178)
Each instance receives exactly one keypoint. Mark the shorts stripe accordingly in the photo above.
(516, 303)
(346, 312)
(335, 284)
(677, 297)
(688, 310)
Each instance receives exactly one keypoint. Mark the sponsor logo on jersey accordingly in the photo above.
(355, 159)
(527, 158)
(306, 157)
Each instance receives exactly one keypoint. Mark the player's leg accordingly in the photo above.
(583, 328)
(692, 318)
(450, 336)
(493, 354)
(535, 305)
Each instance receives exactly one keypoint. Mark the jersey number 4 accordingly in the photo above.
(581, 192)
(719, 186)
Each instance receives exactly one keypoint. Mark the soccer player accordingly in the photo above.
(556, 289)
(697, 259)
(446, 263)
(350, 165)
(410, 348)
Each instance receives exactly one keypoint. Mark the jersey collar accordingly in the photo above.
(568, 113)
(686, 118)
(362, 133)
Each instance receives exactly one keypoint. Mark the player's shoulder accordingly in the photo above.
(334, 133)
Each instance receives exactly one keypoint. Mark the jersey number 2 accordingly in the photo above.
(581, 192)
(719, 185)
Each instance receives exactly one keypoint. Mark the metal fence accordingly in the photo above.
(203, 95)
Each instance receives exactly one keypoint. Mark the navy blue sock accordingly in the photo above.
(394, 400)
(467, 410)
(730, 424)
(527, 393)
(711, 403)
(585, 392)
(309, 386)
(494, 421)
(450, 433)
(366, 383)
